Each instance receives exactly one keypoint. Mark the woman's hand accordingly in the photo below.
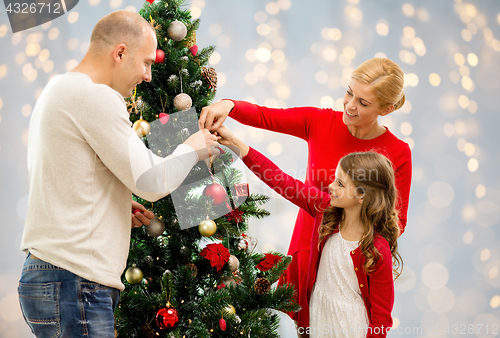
(218, 112)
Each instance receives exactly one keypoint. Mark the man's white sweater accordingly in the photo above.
(84, 161)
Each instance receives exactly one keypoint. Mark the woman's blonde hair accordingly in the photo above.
(386, 80)
(373, 175)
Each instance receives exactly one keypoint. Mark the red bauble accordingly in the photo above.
(164, 118)
(222, 324)
(217, 192)
(160, 56)
(194, 50)
(167, 318)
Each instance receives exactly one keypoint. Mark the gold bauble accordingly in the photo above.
(134, 274)
(230, 310)
(141, 127)
(207, 227)
(183, 101)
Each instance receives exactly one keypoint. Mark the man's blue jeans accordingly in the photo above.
(58, 303)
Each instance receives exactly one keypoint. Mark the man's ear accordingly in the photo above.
(119, 52)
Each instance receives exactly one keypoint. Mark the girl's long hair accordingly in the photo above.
(372, 174)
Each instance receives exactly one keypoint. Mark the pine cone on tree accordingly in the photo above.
(194, 269)
(262, 286)
(148, 331)
(211, 76)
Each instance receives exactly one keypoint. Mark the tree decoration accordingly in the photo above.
(134, 104)
(141, 127)
(211, 76)
(193, 268)
(222, 324)
(247, 243)
(241, 189)
(234, 263)
(217, 254)
(183, 101)
(164, 118)
(227, 281)
(262, 286)
(194, 50)
(217, 192)
(134, 274)
(160, 56)
(156, 227)
(207, 227)
(177, 31)
(230, 310)
(167, 318)
(268, 262)
(153, 23)
(191, 40)
(148, 331)
(235, 215)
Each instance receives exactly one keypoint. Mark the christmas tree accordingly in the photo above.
(192, 272)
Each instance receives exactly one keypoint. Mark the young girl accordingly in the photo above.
(350, 290)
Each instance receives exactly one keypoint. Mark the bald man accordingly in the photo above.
(84, 161)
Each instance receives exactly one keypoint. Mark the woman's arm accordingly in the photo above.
(290, 121)
(403, 182)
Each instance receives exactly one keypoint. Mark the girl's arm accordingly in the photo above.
(304, 196)
(292, 121)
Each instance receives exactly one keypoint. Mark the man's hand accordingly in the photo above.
(140, 215)
(217, 111)
(204, 143)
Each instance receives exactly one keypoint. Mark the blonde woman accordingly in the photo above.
(376, 89)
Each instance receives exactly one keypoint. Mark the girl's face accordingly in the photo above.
(361, 106)
(343, 191)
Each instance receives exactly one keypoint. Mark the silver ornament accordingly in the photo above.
(155, 228)
(183, 101)
(234, 263)
(242, 244)
(227, 281)
(177, 31)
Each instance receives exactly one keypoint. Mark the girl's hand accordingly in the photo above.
(226, 136)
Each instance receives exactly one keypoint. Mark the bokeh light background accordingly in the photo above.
(288, 53)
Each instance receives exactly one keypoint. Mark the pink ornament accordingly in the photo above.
(217, 192)
(164, 118)
(194, 50)
(160, 56)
